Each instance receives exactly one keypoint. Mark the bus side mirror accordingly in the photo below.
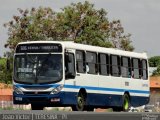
(8, 64)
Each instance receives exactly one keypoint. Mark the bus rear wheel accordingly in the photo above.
(36, 107)
(80, 106)
(126, 102)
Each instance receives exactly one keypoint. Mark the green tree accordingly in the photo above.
(154, 61)
(118, 38)
(79, 22)
(157, 71)
(30, 26)
(83, 24)
(5, 75)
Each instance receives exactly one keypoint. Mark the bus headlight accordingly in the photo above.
(17, 90)
(57, 89)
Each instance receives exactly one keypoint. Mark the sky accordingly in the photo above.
(141, 18)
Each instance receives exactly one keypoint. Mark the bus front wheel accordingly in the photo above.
(80, 106)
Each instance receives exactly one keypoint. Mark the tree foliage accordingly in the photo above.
(79, 22)
(30, 26)
(155, 62)
(5, 75)
(157, 71)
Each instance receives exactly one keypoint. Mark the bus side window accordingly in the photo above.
(115, 65)
(136, 68)
(80, 61)
(103, 64)
(69, 65)
(144, 69)
(91, 61)
(125, 67)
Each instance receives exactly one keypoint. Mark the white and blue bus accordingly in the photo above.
(60, 74)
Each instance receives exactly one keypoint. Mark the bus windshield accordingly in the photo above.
(38, 68)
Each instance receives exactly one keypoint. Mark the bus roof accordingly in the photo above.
(114, 51)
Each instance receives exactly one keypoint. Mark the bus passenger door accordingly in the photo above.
(69, 66)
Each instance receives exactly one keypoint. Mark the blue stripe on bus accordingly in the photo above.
(88, 88)
(106, 89)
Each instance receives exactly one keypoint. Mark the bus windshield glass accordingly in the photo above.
(38, 68)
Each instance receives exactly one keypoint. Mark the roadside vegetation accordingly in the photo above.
(155, 62)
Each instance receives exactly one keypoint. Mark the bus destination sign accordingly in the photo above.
(38, 48)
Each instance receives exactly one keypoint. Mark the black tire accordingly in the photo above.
(36, 107)
(126, 103)
(81, 100)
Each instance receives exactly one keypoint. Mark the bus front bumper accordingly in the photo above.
(38, 99)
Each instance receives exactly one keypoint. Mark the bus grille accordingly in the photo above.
(36, 88)
(37, 99)
(36, 93)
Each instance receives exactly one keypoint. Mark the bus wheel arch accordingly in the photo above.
(83, 91)
(81, 100)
